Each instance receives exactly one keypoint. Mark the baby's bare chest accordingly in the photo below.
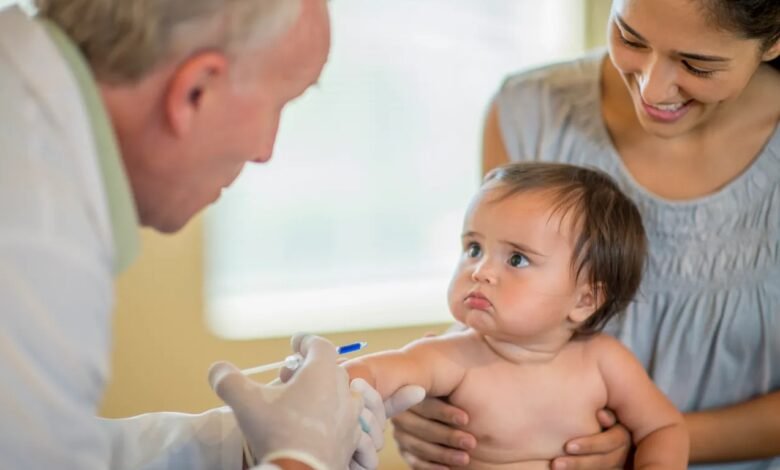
(523, 413)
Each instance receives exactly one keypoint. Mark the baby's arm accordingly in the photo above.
(431, 363)
(657, 427)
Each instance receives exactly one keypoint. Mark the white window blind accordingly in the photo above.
(355, 223)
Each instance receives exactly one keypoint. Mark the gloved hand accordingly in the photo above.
(313, 418)
(374, 417)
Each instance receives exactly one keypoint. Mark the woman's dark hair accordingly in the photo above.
(610, 246)
(752, 19)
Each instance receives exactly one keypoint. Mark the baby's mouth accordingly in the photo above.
(477, 301)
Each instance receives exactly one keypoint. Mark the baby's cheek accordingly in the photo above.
(455, 310)
(452, 292)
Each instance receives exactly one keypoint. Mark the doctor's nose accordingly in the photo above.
(484, 273)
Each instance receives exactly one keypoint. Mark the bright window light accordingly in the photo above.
(26, 5)
(355, 223)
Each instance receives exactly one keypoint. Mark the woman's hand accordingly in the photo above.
(608, 449)
(427, 441)
(426, 438)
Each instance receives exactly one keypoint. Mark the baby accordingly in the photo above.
(550, 253)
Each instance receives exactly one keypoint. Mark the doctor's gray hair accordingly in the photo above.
(123, 40)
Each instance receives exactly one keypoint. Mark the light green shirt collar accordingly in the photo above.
(124, 220)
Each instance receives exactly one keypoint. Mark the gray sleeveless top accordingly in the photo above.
(706, 323)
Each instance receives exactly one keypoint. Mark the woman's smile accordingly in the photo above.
(666, 113)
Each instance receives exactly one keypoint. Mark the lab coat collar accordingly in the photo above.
(121, 206)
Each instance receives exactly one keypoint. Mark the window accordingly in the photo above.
(26, 5)
(355, 223)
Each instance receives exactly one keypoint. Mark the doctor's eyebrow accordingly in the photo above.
(686, 55)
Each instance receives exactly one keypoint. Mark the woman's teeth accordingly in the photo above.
(668, 107)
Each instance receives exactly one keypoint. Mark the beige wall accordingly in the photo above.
(596, 22)
(162, 347)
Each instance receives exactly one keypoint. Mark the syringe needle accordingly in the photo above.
(263, 368)
(293, 361)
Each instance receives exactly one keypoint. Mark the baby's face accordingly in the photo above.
(514, 280)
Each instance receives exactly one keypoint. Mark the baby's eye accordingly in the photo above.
(518, 261)
(473, 250)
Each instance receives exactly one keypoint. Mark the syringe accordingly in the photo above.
(294, 360)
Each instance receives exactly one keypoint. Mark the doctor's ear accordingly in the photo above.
(192, 88)
(590, 298)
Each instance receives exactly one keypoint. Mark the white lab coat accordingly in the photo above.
(56, 286)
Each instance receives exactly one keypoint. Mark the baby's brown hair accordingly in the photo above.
(611, 245)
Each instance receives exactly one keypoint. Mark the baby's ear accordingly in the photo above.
(589, 298)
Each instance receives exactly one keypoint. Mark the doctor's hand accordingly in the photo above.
(312, 418)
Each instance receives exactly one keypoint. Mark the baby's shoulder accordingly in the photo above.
(463, 344)
(609, 354)
(601, 344)
(444, 340)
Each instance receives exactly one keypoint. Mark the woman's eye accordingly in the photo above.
(698, 72)
(631, 44)
(518, 261)
(473, 250)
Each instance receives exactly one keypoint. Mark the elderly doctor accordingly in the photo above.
(115, 113)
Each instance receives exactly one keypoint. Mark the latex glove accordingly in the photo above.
(313, 418)
(374, 417)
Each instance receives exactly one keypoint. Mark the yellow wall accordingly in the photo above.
(597, 12)
(163, 348)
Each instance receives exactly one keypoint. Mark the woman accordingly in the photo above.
(684, 113)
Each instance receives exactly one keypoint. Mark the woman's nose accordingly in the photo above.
(658, 82)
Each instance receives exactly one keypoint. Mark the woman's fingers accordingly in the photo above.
(423, 455)
(439, 410)
(417, 464)
(606, 418)
(434, 430)
(613, 439)
(587, 462)
(606, 450)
